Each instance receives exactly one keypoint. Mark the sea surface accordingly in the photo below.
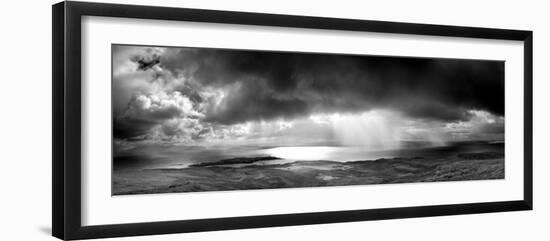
(183, 156)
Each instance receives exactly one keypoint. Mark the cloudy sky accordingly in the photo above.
(199, 96)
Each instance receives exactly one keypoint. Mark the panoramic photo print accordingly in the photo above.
(188, 119)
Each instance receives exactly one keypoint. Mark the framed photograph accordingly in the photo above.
(171, 120)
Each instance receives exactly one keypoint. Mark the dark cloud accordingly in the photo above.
(262, 85)
(187, 94)
(145, 63)
(126, 127)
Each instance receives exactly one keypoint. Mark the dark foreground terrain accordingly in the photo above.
(247, 173)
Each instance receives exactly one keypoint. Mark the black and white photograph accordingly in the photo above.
(189, 119)
(275, 120)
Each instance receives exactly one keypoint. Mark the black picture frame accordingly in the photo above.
(66, 129)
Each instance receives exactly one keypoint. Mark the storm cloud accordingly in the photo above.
(267, 85)
(198, 92)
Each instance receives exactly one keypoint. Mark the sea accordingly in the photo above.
(177, 156)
